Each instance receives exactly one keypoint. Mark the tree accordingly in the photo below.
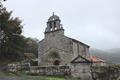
(1, 32)
(12, 44)
(32, 46)
(11, 40)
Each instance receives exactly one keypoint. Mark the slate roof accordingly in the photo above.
(74, 40)
(85, 60)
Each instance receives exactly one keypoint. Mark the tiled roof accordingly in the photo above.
(29, 55)
(95, 59)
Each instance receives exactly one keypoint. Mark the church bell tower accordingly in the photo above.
(54, 25)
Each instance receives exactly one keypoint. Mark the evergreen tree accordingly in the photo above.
(12, 44)
(11, 40)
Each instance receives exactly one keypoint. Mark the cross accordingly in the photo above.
(53, 13)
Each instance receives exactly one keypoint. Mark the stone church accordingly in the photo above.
(58, 49)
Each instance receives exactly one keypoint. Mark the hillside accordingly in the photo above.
(114, 50)
(111, 56)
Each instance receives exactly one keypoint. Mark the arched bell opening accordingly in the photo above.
(53, 24)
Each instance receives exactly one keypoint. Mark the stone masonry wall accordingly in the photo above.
(56, 42)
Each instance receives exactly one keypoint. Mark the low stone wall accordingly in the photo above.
(14, 67)
(50, 70)
(38, 70)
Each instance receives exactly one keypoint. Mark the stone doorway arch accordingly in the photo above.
(55, 58)
(56, 62)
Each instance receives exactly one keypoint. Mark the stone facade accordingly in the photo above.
(56, 47)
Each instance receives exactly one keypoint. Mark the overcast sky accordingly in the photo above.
(94, 22)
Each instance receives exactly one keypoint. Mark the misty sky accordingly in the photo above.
(94, 22)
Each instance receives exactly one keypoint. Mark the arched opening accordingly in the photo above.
(50, 24)
(55, 24)
(56, 62)
(55, 58)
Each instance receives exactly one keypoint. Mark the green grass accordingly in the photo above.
(46, 78)
(53, 78)
(41, 78)
(23, 76)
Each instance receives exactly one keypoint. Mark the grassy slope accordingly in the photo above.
(22, 76)
(41, 78)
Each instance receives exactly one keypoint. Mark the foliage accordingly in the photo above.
(111, 72)
(31, 46)
(11, 40)
(33, 63)
(12, 43)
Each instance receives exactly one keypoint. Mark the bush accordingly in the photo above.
(110, 72)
